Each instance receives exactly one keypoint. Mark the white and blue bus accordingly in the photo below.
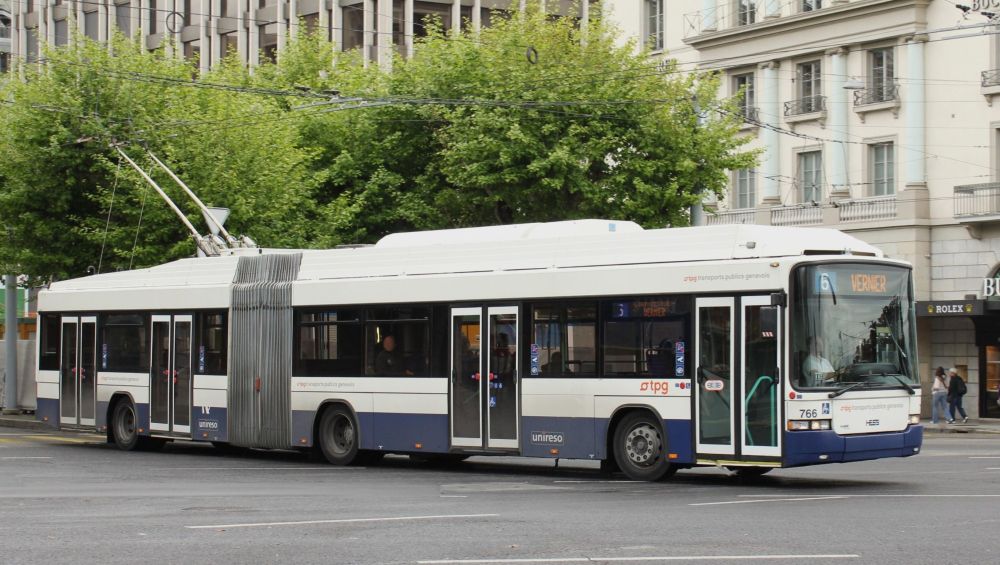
(746, 347)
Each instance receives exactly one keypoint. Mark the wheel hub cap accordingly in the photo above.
(642, 444)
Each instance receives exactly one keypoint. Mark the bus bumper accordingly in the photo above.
(818, 447)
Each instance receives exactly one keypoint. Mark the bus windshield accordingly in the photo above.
(852, 324)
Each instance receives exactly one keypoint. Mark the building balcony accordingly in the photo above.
(977, 202)
(877, 95)
(808, 108)
(851, 213)
(727, 15)
(989, 78)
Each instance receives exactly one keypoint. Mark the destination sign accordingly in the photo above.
(642, 309)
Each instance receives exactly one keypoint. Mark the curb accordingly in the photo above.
(24, 423)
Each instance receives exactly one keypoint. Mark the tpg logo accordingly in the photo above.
(657, 387)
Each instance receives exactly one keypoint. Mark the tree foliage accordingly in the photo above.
(531, 119)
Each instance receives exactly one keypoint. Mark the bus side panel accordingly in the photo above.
(209, 411)
(674, 409)
(47, 395)
(134, 385)
(306, 405)
(572, 438)
(402, 421)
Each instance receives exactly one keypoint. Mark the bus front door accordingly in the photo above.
(737, 400)
(484, 387)
(170, 374)
(78, 371)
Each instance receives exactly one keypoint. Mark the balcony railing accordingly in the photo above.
(868, 209)
(884, 93)
(807, 105)
(796, 215)
(990, 78)
(728, 15)
(743, 216)
(750, 114)
(973, 200)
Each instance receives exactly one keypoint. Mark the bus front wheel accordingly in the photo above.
(338, 436)
(640, 449)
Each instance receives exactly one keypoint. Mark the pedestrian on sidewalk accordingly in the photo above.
(939, 396)
(956, 390)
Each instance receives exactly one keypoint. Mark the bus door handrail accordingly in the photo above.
(746, 402)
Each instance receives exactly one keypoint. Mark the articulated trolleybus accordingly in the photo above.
(745, 347)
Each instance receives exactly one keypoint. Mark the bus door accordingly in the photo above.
(78, 371)
(484, 384)
(737, 379)
(170, 374)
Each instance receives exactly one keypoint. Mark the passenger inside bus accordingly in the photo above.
(390, 361)
(816, 367)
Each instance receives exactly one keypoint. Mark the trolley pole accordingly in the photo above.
(10, 335)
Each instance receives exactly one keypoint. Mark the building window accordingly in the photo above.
(743, 87)
(62, 32)
(565, 336)
(90, 25)
(654, 24)
(883, 164)
(745, 191)
(810, 88)
(153, 16)
(811, 176)
(810, 5)
(123, 18)
(124, 343)
(882, 80)
(746, 12)
(32, 41)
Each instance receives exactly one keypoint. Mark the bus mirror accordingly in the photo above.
(769, 321)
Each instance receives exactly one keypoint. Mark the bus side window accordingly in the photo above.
(212, 349)
(48, 347)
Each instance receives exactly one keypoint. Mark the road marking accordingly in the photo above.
(626, 559)
(454, 496)
(13, 457)
(893, 495)
(985, 457)
(797, 499)
(288, 468)
(344, 521)
(586, 481)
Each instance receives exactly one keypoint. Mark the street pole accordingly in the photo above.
(698, 209)
(10, 335)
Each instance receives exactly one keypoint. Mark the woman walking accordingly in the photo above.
(956, 390)
(939, 396)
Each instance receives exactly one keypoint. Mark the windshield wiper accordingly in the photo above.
(905, 384)
(847, 388)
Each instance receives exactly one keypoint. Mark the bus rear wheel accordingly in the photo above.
(123, 426)
(640, 449)
(338, 436)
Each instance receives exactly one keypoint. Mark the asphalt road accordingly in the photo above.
(69, 498)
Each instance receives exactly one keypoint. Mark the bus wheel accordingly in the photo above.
(123, 428)
(639, 448)
(338, 436)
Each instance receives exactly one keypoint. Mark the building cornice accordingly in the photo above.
(836, 14)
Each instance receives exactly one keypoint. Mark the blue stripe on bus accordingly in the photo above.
(586, 438)
(384, 431)
(47, 408)
(806, 447)
(209, 427)
(142, 415)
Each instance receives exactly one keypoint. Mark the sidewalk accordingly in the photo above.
(23, 421)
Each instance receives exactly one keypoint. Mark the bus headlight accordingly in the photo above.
(795, 425)
(914, 419)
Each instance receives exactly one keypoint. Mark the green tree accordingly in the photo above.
(72, 204)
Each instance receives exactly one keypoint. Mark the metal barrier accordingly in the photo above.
(868, 209)
(981, 199)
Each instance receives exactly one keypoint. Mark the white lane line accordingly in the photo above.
(289, 468)
(633, 559)
(586, 481)
(797, 499)
(25, 457)
(985, 457)
(889, 495)
(345, 521)
(454, 496)
(993, 468)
